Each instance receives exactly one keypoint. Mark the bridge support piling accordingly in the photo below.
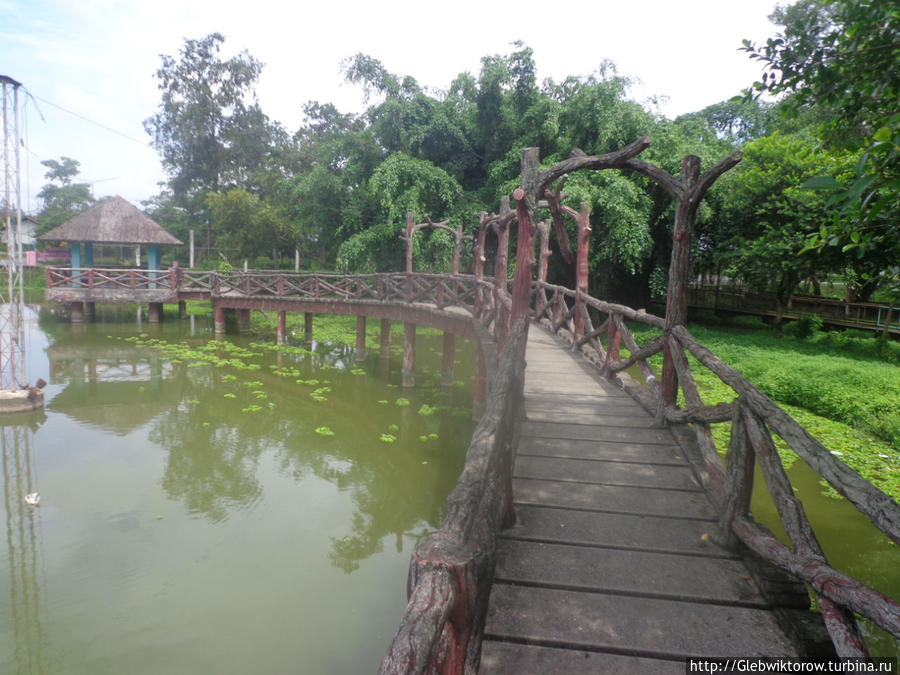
(77, 311)
(182, 309)
(90, 311)
(409, 355)
(308, 327)
(154, 312)
(219, 322)
(282, 323)
(360, 339)
(384, 351)
(243, 320)
(447, 361)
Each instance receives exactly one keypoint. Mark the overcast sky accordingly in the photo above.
(97, 59)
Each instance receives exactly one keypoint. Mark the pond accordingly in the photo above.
(196, 515)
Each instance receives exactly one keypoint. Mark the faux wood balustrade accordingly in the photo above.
(120, 285)
(754, 418)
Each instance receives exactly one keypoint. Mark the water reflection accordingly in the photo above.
(214, 444)
(171, 510)
(23, 537)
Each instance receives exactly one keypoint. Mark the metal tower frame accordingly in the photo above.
(12, 298)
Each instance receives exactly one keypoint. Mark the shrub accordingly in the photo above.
(808, 325)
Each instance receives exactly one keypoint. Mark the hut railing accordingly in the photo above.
(97, 278)
(451, 569)
(754, 419)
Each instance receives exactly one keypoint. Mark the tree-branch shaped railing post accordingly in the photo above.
(526, 198)
(687, 190)
(544, 254)
(583, 221)
(483, 219)
(501, 264)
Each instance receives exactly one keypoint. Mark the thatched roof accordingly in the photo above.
(112, 221)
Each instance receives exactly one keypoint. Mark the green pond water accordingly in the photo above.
(193, 520)
(183, 531)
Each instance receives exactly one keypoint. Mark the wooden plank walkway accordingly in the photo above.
(609, 567)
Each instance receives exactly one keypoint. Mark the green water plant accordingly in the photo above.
(387, 438)
(402, 402)
(426, 410)
(324, 431)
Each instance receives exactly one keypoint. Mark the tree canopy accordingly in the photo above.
(338, 189)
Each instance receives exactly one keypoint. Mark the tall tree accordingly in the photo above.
(209, 129)
(63, 197)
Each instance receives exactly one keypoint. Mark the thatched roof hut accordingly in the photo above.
(112, 221)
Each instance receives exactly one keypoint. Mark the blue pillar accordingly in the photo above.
(76, 260)
(153, 261)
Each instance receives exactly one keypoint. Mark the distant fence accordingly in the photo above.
(730, 298)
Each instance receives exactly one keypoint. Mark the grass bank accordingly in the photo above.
(844, 389)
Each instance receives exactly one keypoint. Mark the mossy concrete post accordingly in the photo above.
(384, 351)
(447, 360)
(360, 339)
(154, 312)
(409, 355)
(244, 320)
(282, 324)
(77, 312)
(219, 322)
(308, 327)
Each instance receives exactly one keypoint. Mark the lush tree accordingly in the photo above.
(209, 129)
(62, 198)
(843, 56)
(766, 216)
(245, 225)
(737, 120)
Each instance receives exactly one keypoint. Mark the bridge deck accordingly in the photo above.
(608, 568)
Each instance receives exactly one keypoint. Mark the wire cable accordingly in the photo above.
(145, 144)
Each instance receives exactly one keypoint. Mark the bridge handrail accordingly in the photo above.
(479, 297)
(753, 417)
(451, 569)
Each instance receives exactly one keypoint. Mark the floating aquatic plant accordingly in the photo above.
(383, 401)
(393, 427)
(229, 395)
(402, 402)
(426, 410)
(388, 438)
(357, 371)
(424, 439)
(251, 409)
(433, 437)
(324, 431)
